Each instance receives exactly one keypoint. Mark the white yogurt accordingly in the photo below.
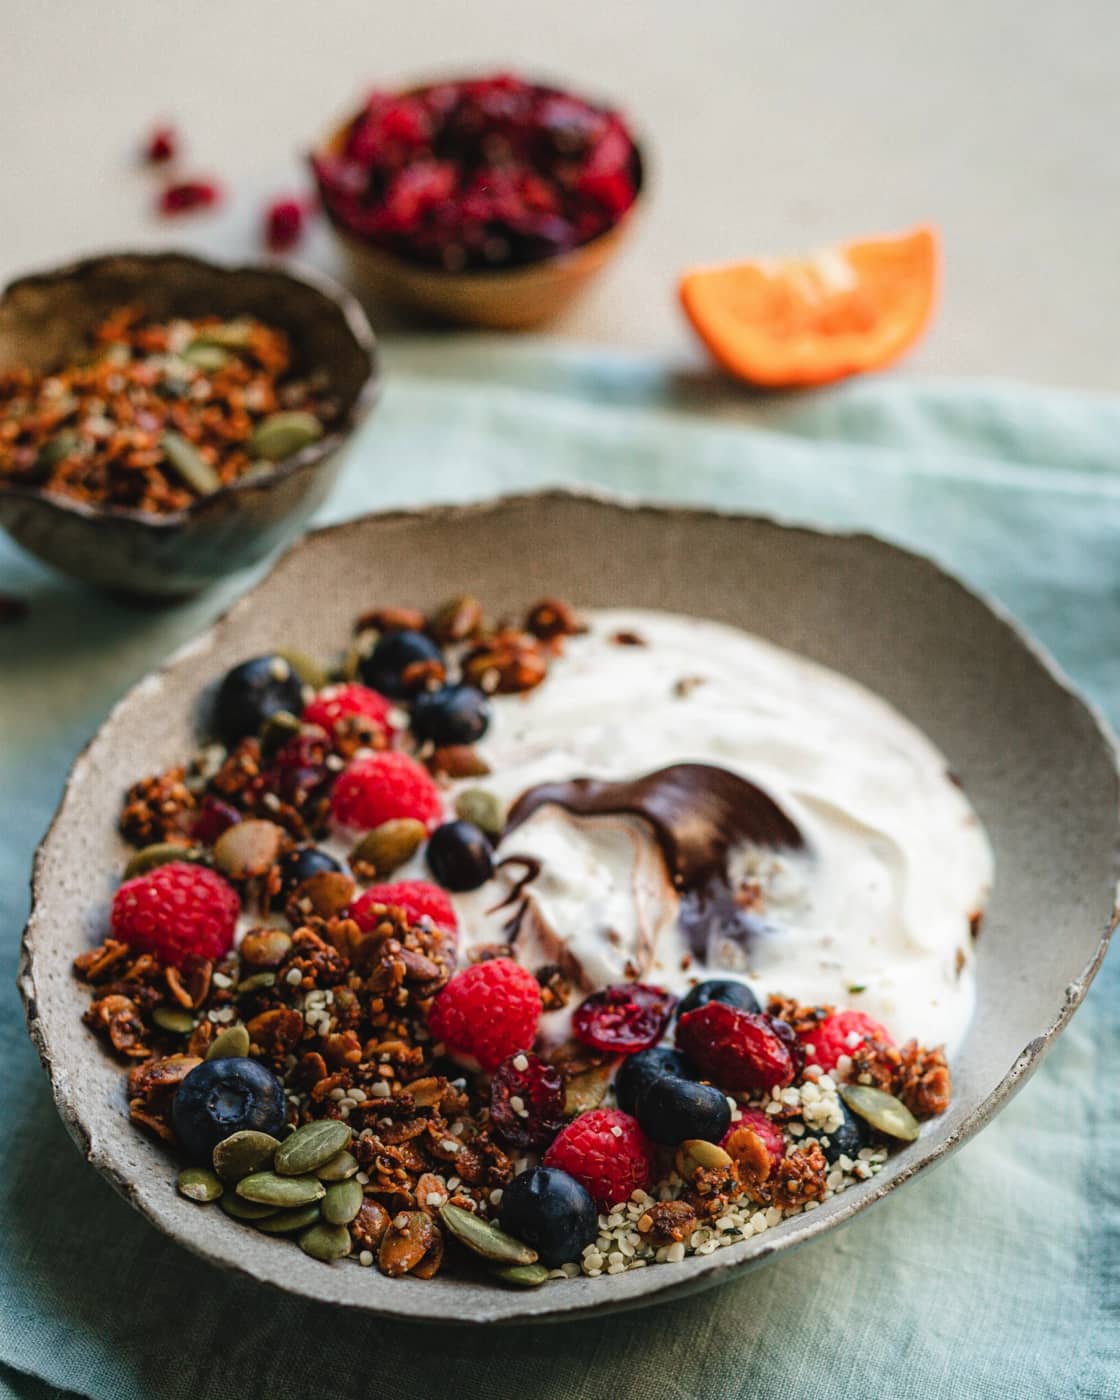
(874, 914)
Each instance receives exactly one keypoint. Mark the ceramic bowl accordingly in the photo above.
(1034, 759)
(515, 298)
(46, 315)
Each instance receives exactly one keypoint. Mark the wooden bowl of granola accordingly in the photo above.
(952, 664)
(171, 534)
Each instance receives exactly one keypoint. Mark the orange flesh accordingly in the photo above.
(801, 321)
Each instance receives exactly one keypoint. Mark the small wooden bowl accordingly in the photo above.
(46, 315)
(515, 298)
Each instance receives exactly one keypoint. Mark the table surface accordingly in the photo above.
(771, 128)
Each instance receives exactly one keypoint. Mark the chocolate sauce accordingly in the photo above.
(699, 813)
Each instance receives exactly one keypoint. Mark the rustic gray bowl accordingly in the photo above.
(1034, 758)
(46, 315)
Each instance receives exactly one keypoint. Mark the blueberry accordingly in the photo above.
(671, 1110)
(300, 865)
(732, 993)
(459, 856)
(457, 714)
(548, 1209)
(640, 1070)
(220, 1097)
(384, 667)
(252, 693)
(847, 1139)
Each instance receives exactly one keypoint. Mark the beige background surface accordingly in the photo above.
(770, 128)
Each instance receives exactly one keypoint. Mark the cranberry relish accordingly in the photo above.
(345, 1075)
(490, 172)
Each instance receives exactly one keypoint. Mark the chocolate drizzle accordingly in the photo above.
(699, 813)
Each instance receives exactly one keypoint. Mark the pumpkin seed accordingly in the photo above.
(248, 849)
(257, 983)
(341, 1167)
(694, 1154)
(306, 667)
(524, 1275)
(483, 808)
(287, 1222)
(244, 1210)
(186, 459)
(242, 1153)
(389, 845)
(233, 335)
(326, 1242)
(198, 1184)
(206, 357)
(881, 1110)
(271, 1190)
(162, 853)
(311, 1146)
(485, 1238)
(282, 434)
(52, 452)
(342, 1202)
(277, 729)
(169, 1018)
(586, 1090)
(229, 1044)
(265, 947)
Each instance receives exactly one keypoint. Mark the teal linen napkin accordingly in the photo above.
(997, 1276)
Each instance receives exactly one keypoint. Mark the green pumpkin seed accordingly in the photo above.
(244, 1210)
(306, 667)
(326, 1242)
(170, 1018)
(695, 1154)
(587, 1090)
(230, 1044)
(524, 1275)
(483, 808)
(277, 729)
(484, 1238)
(881, 1110)
(257, 983)
(53, 452)
(341, 1167)
(282, 434)
(248, 849)
(206, 356)
(140, 862)
(198, 1184)
(287, 1222)
(311, 1146)
(243, 1153)
(285, 1191)
(389, 845)
(342, 1202)
(191, 466)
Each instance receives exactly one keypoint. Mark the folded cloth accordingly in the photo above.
(998, 1275)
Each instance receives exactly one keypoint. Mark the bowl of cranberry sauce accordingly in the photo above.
(489, 201)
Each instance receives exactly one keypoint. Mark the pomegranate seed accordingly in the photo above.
(162, 145)
(283, 224)
(186, 195)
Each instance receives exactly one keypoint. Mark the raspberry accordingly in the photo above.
(417, 898)
(832, 1037)
(607, 1153)
(176, 911)
(383, 786)
(487, 1012)
(338, 701)
(764, 1126)
(738, 1050)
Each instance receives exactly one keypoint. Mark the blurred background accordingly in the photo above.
(768, 129)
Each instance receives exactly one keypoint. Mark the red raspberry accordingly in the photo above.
(384, 786)
(826, 1042)
(607, 1152)
(417, 898)
(338, 701)
(738, 1050)
(176, 911)
(765, 1127)
(488, 1011)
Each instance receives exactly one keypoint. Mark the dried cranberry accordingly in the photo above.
(527, 1104)
(739, 1050)
(625, 1018)
(299, 768)
(213, 817)
(186, 195)
(283, 226)
(161, 145)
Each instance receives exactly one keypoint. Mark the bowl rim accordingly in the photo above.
(479, 276)
(326, 288)
(704, 1271)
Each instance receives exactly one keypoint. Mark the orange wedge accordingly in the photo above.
(793, 321)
